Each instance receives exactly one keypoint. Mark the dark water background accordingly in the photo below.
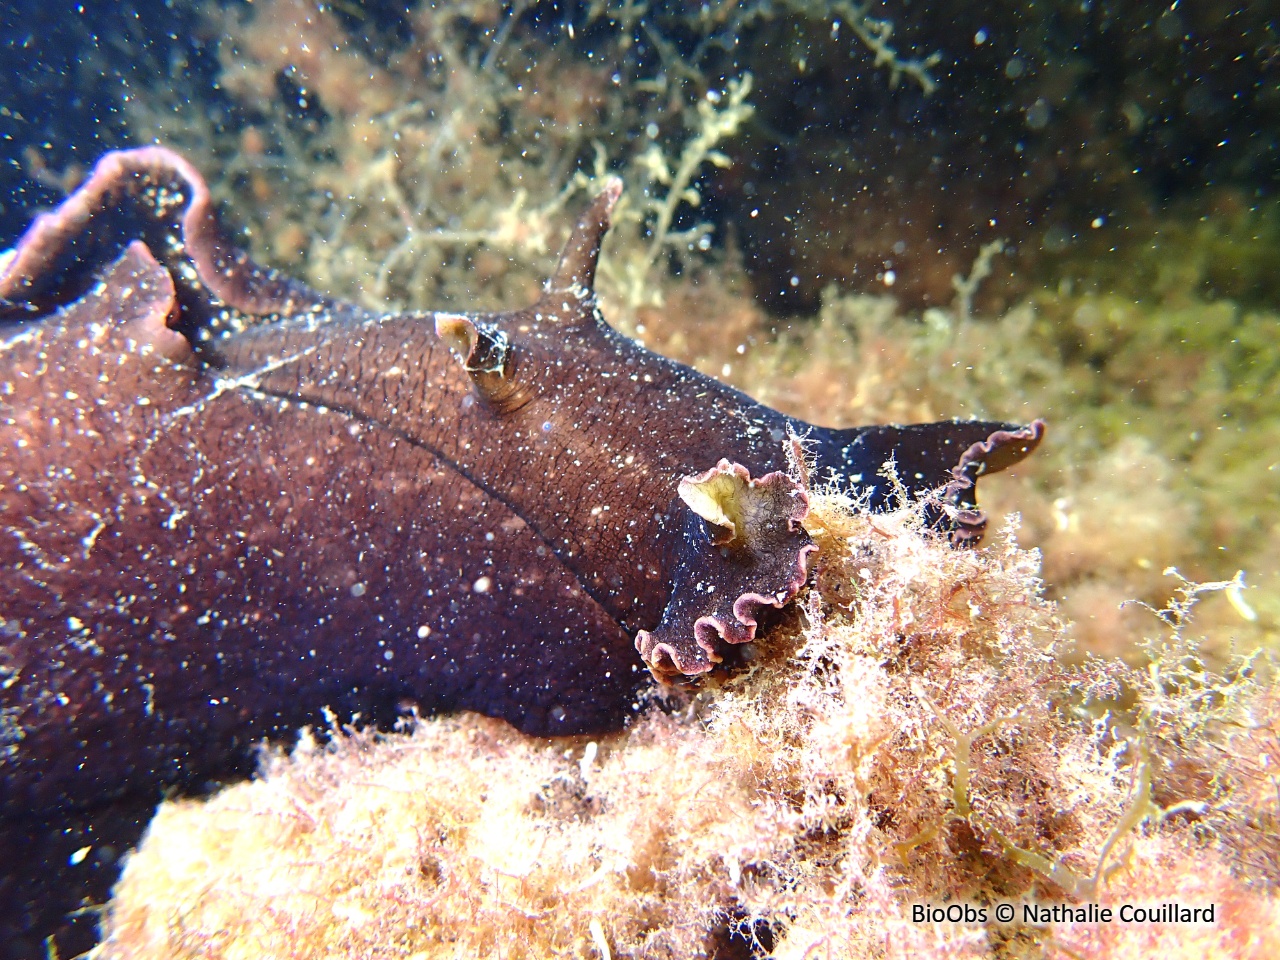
(1045, 116)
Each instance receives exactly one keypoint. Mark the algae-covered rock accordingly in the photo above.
(909, 739)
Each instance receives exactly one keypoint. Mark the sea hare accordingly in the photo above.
(228, 501)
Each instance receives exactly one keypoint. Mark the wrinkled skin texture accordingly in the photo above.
(227, 501)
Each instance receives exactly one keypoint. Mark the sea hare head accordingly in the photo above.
(742, 548)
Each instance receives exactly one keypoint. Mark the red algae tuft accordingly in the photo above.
(911, 739)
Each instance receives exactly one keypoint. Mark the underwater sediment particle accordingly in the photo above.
(228, 501)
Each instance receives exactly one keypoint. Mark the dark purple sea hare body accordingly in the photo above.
(227, 501)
